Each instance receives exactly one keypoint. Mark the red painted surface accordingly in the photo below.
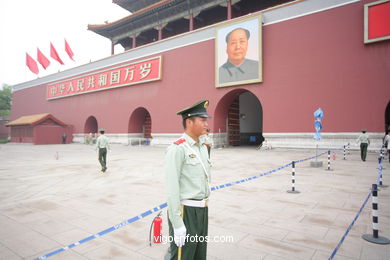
(46, 132)
(23, 139)
(379, 20)
(51, 134)
(314, 61)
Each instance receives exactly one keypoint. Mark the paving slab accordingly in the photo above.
(52, 196)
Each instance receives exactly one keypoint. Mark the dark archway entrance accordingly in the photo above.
(91, 125)
(387, 117)
(140, 123)
(239, 118)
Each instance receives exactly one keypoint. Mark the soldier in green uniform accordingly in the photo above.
(364, 143)
(103, 145)
(187, 170)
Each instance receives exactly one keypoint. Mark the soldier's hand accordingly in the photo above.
(180, 236)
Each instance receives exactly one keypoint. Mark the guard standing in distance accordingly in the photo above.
(364, 143)
(64, 138)
(207, 141)
(103, 145)
(187, 170)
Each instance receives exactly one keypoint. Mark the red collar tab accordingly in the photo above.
(180, 141)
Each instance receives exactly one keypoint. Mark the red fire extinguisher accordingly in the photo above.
(157, 228)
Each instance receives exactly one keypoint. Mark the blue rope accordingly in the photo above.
(162, 206)
(349, 228)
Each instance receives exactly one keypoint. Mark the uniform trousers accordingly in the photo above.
(102, 157)
(196, 222)
(363, 151)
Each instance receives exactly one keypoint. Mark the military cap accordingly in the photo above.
(198, 109)
(101, 130)
(364, 130)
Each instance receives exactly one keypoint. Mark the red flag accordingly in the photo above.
(69, 50)
(54, 54)
(32, 64)
(42, 59)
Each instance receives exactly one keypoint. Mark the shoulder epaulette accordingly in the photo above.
(180, 141)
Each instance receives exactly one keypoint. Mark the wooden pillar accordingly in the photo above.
(159, 29)
(134, 41)
(191, 21)
(160, 33)
(229, 9)
(112, 48)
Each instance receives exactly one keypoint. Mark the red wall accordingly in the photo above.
(314, 61)
(51, 134)
(48, 132)
(23, 139)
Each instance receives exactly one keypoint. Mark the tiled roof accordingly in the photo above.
(135, 14)
(33, 120)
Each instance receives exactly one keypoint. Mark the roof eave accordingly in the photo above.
(126, 19)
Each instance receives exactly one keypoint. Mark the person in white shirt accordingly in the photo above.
(387, 141)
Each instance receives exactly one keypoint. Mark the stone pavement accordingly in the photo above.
(54, 195)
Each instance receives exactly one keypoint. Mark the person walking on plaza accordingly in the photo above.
(364, 143)
(187, 172)
(386, 143)
(103, 145)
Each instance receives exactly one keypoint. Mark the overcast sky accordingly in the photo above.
(28, 24)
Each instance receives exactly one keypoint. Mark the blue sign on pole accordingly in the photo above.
(318, 114)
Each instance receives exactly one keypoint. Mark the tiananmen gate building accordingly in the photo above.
(300, 56)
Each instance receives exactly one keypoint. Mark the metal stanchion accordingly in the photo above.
(375, 238)
(293, 179)
(328, 169)
(380, 168)
(348, 148)
(382, 155)
(344, 153)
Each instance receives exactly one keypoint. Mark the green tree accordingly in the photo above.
(5, 100)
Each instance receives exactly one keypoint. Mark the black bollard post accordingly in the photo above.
(375, 238)
(382, 155)
(344, 153)
(293, 179)
(380, 168)
(328, 169)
